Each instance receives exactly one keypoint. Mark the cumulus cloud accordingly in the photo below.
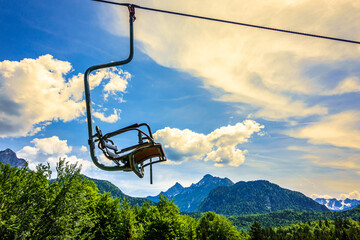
(50, 150)
(220, 146)
(270, 72)
(110, 119)
(341, 130)
(83, 148)
(118, 81)
(34, 92)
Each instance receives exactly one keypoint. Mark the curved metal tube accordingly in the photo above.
(88, 99)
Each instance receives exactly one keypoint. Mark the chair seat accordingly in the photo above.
(132, 158)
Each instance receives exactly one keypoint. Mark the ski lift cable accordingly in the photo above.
(232, 22)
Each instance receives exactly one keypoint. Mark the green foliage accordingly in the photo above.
(334, 229)
(288, 217)
(256, 233)
(256, 197)
(107, 223)
(71, 207)
(23, 197)
(32, 207)
(164, 221)
(212, 226)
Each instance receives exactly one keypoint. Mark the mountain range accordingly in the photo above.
(188, 199)
(221, 195)
(256, 197)
(338, 205)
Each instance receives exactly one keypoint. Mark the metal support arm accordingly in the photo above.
(88, 99)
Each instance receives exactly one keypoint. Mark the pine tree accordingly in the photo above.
(256, 233)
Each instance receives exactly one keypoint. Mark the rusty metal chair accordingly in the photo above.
(134, 158)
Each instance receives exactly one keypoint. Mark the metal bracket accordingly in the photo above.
(88, 99)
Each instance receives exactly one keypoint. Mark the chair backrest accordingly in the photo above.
(132, 158)
(149, 152)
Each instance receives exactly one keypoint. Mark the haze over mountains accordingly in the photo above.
(222, 196)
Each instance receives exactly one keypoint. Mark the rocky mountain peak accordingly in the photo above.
(8, 156)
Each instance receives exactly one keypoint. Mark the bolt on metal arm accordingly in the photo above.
(88, 99)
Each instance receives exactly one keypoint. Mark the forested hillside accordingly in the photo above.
(71, 207)
(288, 217)
(256, 197)
(106, 186)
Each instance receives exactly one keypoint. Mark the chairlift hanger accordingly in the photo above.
(134, 158)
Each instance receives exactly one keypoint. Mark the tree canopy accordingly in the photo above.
(71, 207)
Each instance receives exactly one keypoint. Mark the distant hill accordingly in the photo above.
(106, 186)
(288, 217)
(338, 205)
(9, 157)
(256, 197)
(188, 199)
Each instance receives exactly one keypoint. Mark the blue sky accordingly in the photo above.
(226, 100)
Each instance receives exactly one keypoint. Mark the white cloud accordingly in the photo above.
(50, 150)
(348, 85)
(118, 82)
(266, 70)
(332, 160)
(34, 92)
(83, 148)
(341, 130)
(314, 196)
(52, 145)
(219, 146)
(352, 195)
(110, 119)
(227, 155)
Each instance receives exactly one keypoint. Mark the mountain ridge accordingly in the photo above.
(212, 194)
(260, 196)
(188, 199)
(8, 156)
(106, 186)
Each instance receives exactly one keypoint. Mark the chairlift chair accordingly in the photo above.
(134, 158)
